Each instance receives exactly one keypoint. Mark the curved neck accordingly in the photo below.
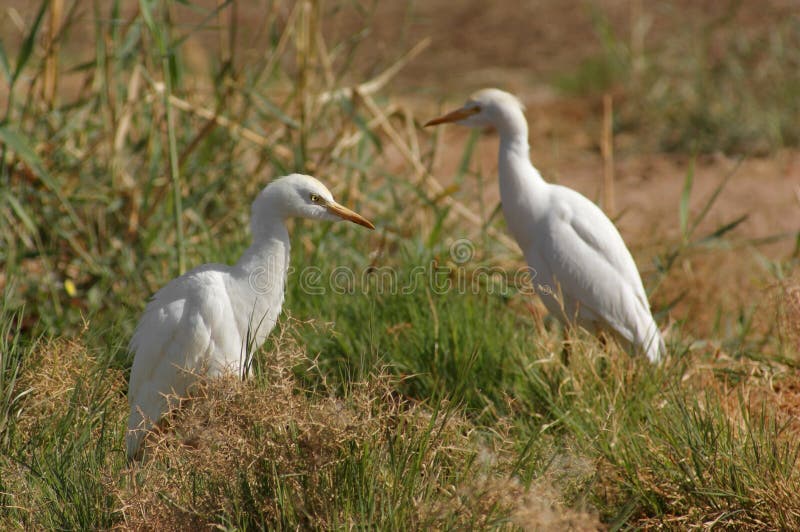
(523, 192)
(515, 169)
(270, 243)
(513, 130)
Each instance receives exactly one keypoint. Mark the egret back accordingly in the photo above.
(187, 329)
(593, 271)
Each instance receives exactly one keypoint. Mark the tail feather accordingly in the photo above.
(653, 344)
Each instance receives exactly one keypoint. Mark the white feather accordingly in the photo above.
(209, 320)
(581, 266)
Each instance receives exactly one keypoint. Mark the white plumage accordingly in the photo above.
(583, 271)
(208, 321)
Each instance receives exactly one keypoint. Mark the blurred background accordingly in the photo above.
(703, 87)
(135, 135)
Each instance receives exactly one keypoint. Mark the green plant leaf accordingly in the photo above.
(145, 8)
(21, 213)
(4, 63)
(19, 144)
(683, 209)
(27, 45)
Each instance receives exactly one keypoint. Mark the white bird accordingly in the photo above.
(583, 271)
(209, 320)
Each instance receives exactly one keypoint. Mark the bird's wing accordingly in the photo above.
(602, 235)
(593, 266)
(183, 327)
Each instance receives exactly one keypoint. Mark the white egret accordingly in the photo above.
(583, 271)
(208, 320)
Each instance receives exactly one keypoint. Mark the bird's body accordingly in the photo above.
(209, 320)
(580, 265)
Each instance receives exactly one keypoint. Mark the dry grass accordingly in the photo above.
(788, 306)
(57, 378)
(288, 455)
(74, 401)
(335, 442)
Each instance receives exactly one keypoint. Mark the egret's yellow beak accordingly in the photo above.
(346, 214)
(454, 116)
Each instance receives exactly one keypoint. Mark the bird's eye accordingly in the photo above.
(314, 198)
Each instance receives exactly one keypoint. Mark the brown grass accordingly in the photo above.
(789, 313)
(67, 390)
(60, 376)
(254, 443)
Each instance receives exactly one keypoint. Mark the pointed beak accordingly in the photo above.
(454, 116)
(346, 214)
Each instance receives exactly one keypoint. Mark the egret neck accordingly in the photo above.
(260, 274)
(521, 185)
(270, 240)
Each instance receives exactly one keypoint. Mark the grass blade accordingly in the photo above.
(466, 157)
(27, 45)
(4, 64)
(717, 233)
(683, 208)
(19, 210)
(14, 140)
(713, 198)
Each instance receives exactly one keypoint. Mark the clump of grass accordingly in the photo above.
(704, 86)
(271, 453)
(56, 376)
(55, 470)
(715, 449)
(14, 354)
(789, 313)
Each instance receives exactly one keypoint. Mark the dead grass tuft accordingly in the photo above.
(543, 508)
(274, 452)
(61, 376)
(789, 313)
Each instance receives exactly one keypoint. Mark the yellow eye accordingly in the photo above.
(315, 198)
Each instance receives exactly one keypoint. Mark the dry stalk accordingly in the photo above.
(378, 82)
(222, 121)
(607, 145)
(124, 123)
(51, 61)
(424, 178)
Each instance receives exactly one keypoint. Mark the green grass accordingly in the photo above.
(374, 407)
(711, 86)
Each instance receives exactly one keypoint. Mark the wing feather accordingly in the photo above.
(596, 270)
(178, 337)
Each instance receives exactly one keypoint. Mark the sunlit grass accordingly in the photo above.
(712, 86)
(375, 405)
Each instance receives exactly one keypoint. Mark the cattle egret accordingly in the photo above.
(583, 271)
(208, 320)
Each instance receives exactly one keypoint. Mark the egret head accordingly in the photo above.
(487, 107)
(302, 196)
